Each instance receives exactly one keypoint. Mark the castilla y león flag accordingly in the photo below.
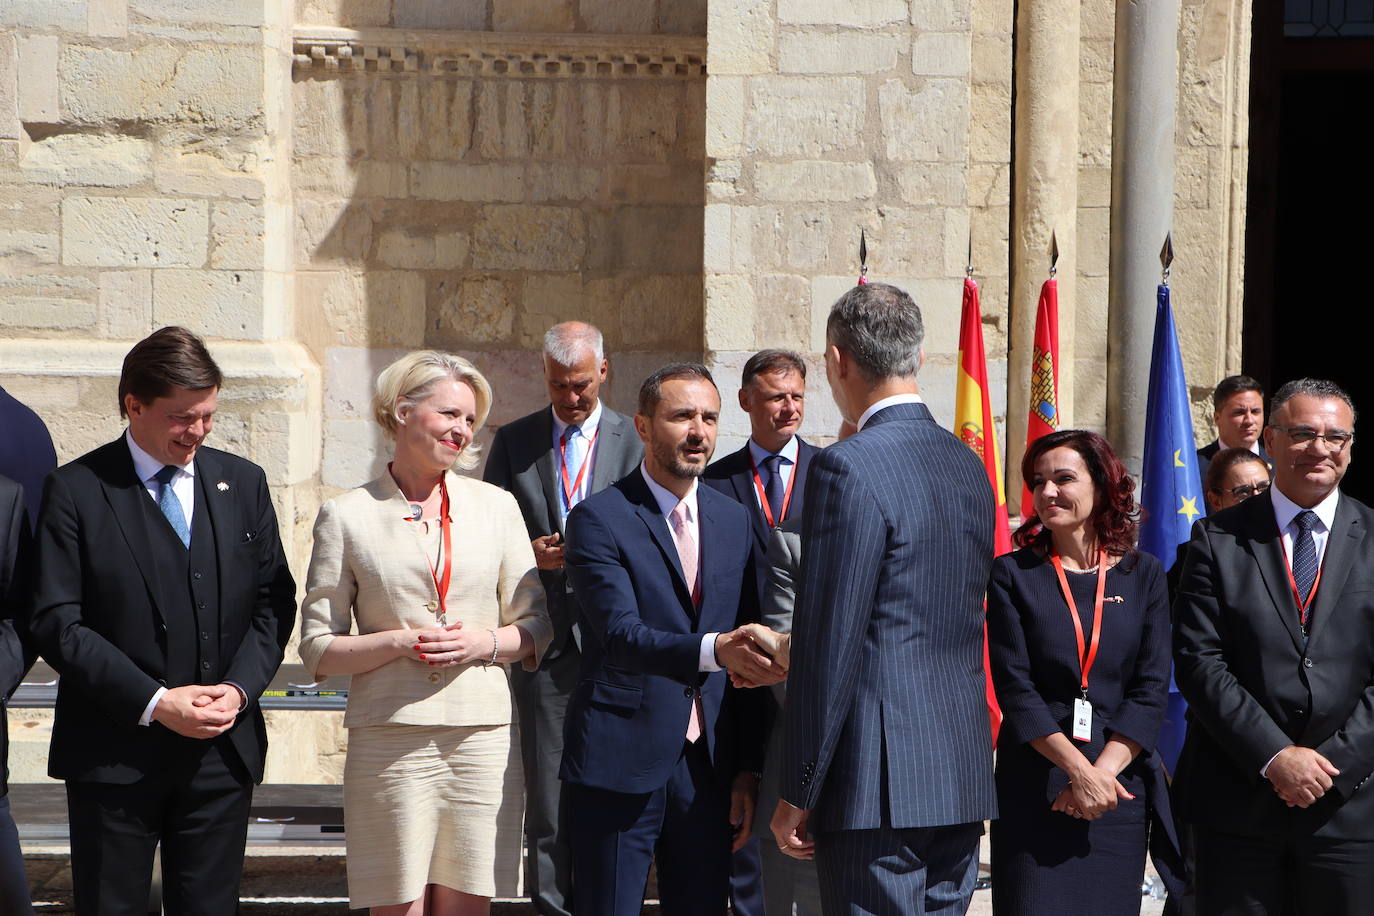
(1044, 380)
(973, 424)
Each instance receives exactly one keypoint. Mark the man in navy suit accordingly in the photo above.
(26, 450)
(662, 571)
(887, 760)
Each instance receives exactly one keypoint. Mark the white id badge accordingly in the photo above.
(1082, 720)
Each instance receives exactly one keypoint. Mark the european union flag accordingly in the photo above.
(1171, 493)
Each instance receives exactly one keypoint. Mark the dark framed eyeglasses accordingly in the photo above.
(1305, 435)
(1245, 490)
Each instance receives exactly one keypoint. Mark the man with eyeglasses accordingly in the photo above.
(1238, 411)
(1274, 652)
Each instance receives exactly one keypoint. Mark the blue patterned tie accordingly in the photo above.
(573, 449)
(1305, 555)
(171, 506)
(772, 486)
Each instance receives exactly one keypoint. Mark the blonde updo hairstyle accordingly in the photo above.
(411, 379)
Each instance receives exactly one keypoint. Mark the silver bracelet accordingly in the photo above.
(494, 649)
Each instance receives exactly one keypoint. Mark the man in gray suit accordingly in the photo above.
(887, 758)
(550, 461)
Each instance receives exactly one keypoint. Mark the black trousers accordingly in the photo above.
(887, 872)
(197, 807)
(1281, 875)
(14, 883)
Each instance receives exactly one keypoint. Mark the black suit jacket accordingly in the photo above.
(1253, 689)
(523, 462)
(733, 475)
(15, 656)
(100, 609)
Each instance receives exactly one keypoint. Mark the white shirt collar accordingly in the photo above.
(1285, 510)
(788, 451)
(1222, 446)
(666, 499)
(588, 425)
(145, 465)
(888, 402)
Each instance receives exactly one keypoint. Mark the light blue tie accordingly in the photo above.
(171, 506)
(574, 449)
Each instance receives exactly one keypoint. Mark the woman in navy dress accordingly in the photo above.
(1077, 783)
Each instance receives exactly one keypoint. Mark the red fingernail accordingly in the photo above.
(416, 647)
(421, 655)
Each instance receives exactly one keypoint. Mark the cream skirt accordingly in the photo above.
(436, 804)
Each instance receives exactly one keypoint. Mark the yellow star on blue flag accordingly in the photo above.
(1178, 462)
(1189, 508)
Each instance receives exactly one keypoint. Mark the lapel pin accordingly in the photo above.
(222, 486)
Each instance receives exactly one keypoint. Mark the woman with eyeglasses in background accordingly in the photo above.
(1235, 475)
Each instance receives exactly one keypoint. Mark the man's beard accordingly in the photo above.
(669, 459)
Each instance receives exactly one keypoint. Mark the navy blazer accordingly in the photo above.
(886, 715)
(733, 475)
(627, 718)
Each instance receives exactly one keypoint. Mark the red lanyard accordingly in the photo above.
(1085, 660)
(1303, 606)
(445, 526)
(763, 497)
(570, 489)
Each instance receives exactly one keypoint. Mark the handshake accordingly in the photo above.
(754, 655)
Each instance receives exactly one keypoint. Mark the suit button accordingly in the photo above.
(688, 693)
(195, 575)
(204, 635)
(205, 666)
(434, 677)
(201, 605)
(432, 606)
(1307, 663)
(1299, 711)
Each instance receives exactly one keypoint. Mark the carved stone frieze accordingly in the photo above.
(328, 52)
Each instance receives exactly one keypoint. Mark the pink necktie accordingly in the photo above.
(687, 554)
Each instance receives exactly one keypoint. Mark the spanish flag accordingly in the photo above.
(1044, 387)
(973, 424)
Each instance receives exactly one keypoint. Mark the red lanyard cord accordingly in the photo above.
(1085, 659)
(445, 527)
(570, 489)
(763, 497)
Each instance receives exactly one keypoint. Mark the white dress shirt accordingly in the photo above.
(786, 466)
(588, 428)
(888, 402)
(184, 489)
(667, 502)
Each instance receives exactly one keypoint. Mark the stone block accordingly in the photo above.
(134, 232)
(472, 310)
(717, 234)
(810, 180)
(99, 160)
(729, 313)
(46, 314)
(990, 59)
(38, 79)
(989, 184)
(940, 54)
(331, 232)
(547, 182)
(44, 15)
(107, 18)
(837, 52)
(1097, 20)
(724, 179)
(942, 15)
(28, 245)
(355, 451)
(1095, 130)
(990, 124)
(491, 182)
(361, 178)
(913, 243)
(654, 183)
(724, 115)
(126, 304)
(199, 12)
(10, 128)
(683, 17)
(855, 14)
(782, 311)
(545, 299)
(925, 122)
(625, 17)
(740, 37)
(657, 239)
(806, 116)
(414, 248)
(933, 184)
(345, 13)
(216, 303)
(995, 16)
(238, 235)
(660, 312)
(1095, 186)
(533, 16)
(439, 14)
(522, 237)
(206, 85)
(1095, 60)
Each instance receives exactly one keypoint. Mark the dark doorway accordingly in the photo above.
(1309, 286)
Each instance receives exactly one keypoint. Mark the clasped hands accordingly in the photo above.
(754, 655)
(1092, 792)
(447, 646)
(1300, 775)
(199, 710)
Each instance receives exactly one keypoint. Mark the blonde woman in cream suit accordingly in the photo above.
(432, 785)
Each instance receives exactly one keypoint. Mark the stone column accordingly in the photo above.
(1146, 77)
(1045, 202)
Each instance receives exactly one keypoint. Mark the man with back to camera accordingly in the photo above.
(662, 570)
(887, 637)
(16, 655)
(1238, 411)
(163, 599)
(1274, 652)
(550, 461)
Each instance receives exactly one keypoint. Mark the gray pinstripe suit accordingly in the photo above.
(887, 739)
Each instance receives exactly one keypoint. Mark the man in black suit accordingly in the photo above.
(550, 461)
(1238, 411)
(1274, 652)
(26, 450)
(15, 659)
(163, 599)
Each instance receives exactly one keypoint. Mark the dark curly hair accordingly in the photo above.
(1116, 516)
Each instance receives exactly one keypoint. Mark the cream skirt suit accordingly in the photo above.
(432, 785)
